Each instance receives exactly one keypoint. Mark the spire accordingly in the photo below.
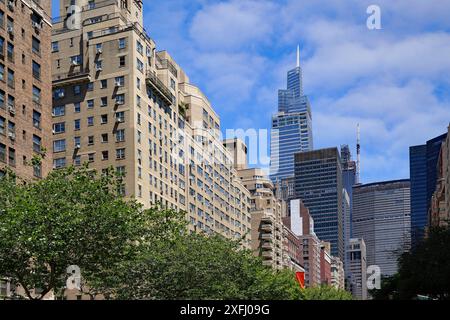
(298, 56)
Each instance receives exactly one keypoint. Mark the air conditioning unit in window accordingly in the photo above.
(36, 25)
(99, 50)
(61, 94)
(118, 84)
(120, 102)
(99, 68)
(12, 135)
(11, 5)
(75, 63)
(10, 30)
(12, 110)
(77, 146)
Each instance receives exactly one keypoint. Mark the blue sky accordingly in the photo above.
(394, 81)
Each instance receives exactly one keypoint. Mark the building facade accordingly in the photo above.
(267, 232)
(291, 127)
(357, 276)
(325, 263)
(439, 213)
(318, 182)
(25, 87)
(337, 273)
(382, 217)
(119, 102)
(302, 225)
(423, 162)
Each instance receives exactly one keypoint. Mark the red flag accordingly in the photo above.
(301, 279)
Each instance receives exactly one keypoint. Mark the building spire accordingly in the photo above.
(298, 56)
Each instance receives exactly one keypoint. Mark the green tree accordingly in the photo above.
(325, 293)
(72, 217)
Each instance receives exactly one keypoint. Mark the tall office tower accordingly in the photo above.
(302, 225)
(357, 276)
(291, 127)
(118, 102)
(25, 93)
(439, 214)
(382, 217)
(266, 218)
(423, 163)
(318, 182)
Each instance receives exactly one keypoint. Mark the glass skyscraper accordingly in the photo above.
(423, 161)
(291, 127)
(318, 182)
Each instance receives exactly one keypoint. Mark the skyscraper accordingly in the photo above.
(25, 92)
(291, 127)
(318, 182)
(423, 160)
(381, 216)
(357, 275)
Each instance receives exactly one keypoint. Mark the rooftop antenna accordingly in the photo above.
(298, 56)
(358, 156)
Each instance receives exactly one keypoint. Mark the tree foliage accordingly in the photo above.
(77, 217)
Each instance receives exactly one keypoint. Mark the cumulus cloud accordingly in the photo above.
(394, 81)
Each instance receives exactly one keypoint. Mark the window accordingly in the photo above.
(2, 99)
(99, 65)
(90, 104)
(104, 138)
(77, 142)
(90, 121)
(77, 125)
(105, 155)
(59, 163)
(59, 127)
(139, 47)
(59, 111)
(138, 83)
(104, 118)
(36, 95)
(120, 135)
(55, 46)
(122, 43)
(104, 84)
(2, 125)
(37, 143)
(11, 79)
(91, 157)
(59, 93)
(36, 45)
(104, 101)
(120, 154)
(10, 51)
(122, 61)
(77, 90)
(12, 157)
(140, 65)
(120, 116)
(2, 152)
(120, 99)
(90, 86)
(59, 145)
(90, 140)
(77, 161)
(2, 72)
(77, 107)
(75, 60)
(36, 119)
(120, 81)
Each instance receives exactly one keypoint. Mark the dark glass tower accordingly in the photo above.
(423, 171)
(318, 182)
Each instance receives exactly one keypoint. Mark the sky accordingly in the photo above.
(394, 81)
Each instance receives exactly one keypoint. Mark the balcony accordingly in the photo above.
(266, 245)
(266, 227)
(159, 87)
(65, 79)
(267, 255)
(266, 236)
